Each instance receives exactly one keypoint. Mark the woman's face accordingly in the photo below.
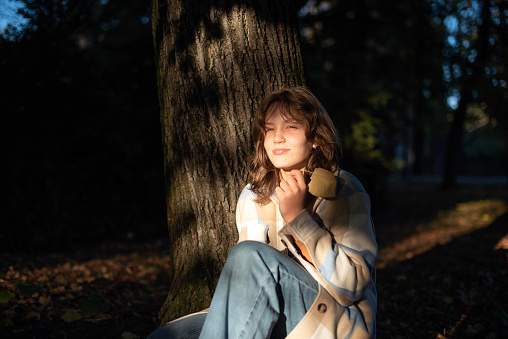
(286, 144)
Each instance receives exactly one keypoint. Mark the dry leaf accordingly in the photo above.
(44, 301)
(7, 322)
(322, 183)
(71, 316)
(33, 315)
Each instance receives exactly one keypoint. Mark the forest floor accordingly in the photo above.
(442, 272)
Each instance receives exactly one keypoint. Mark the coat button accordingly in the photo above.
(321, 308)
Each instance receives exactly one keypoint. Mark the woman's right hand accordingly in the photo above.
(292, 193)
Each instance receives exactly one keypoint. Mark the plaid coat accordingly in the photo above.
(339, 235)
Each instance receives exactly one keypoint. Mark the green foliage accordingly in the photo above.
(386, 69)
(5, 296)
(368, 66)
(361, 139)
(363, 155)
(380, 100)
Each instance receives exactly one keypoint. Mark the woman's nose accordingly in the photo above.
(279, 136)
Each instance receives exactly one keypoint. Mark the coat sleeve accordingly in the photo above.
(248, 222)
(341, 241)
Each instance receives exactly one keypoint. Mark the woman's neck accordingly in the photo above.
(283, 174)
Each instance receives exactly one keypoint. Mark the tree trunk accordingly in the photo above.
(456, 133)
(215, 61)
(454, 145)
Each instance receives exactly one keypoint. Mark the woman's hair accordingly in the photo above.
(301, 105)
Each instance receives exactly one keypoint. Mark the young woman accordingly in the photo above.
(304, 265)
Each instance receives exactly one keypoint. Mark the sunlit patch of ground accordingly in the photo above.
(443, 264)
(502, 243)
(464, 218)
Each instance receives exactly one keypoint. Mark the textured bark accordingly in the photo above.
(215, 61)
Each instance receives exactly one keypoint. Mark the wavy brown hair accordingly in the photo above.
(301, 105)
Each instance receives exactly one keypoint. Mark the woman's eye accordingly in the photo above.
(293, 126)
(268, 129)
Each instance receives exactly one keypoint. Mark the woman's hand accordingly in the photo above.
(292, 193)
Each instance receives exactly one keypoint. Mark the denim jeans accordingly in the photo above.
(261, 293)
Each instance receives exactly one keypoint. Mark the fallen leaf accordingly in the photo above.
(44, 301)
(71, 316)
(33, 315)
(93, 306)
(7, 322)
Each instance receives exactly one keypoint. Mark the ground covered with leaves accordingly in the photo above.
(442, 272)
(107, 291)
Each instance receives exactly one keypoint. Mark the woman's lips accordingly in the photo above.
(280, 151)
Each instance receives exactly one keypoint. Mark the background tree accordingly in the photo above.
(215, 61)
(80, 126)
(377, 67)
(475, 79)
(393, 75)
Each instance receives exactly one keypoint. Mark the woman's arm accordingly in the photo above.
(344, 251)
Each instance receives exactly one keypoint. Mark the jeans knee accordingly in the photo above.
(244, 249)
(248, 253)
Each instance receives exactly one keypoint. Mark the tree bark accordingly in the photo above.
(215, 61)
(454, 145)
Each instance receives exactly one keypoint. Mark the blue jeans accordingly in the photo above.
(261, 293)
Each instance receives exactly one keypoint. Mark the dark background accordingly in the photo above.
(80, 129)
(80, 124)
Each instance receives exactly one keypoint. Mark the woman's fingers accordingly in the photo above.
(293, 185)
(279, 192)
(289, 186)
(299, 178)
(285, 186)
(291, 193)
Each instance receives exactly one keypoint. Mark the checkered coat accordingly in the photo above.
(339, 235)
